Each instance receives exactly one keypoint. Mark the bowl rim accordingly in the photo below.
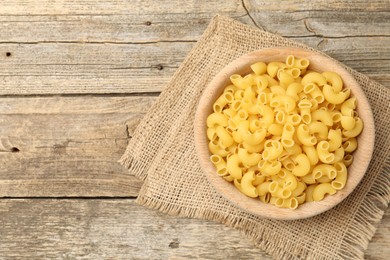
(254, 206)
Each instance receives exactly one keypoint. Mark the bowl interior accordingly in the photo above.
(318, 62)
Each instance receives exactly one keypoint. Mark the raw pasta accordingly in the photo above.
(284, 134)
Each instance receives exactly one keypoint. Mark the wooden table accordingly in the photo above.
(76, 77)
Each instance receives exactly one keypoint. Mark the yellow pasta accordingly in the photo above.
(323, 116)
(266, 187)
(320, 129)
(341, 177)
(248, 159)
(216, 119)
(313, 77)
(309, 192)
(275, 129)
(350, 145)
(333, 79)
(321, 190)
(347, 122)
(304, 136)
(348, 159)
(285, 78)
(324, 170)
(323, 152)
(268, 168)
(299, 189)
(233, 166)
(284, 133)
(293, 90)
(335, 139)
(254, 138)
(356, 130)
(273, 152)
(247, 186)
(287, 135)
(224, 136)
(314, 91)
(311, 154)
(348, 107)
(259, 68)
(303, 165)
(332, 96)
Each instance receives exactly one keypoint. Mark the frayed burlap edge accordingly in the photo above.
(127, 160)
(361, 229)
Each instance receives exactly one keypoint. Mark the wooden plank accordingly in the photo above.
(319, 5)
(94, 68)
(111, 20)
(146, 21)
(120, 229)
(110, 7)
(329, 19)
(67, 146)
(113, 62)
(58, 68)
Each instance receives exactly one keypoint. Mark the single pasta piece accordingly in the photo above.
(335, 139)
(311, 154)
(350, 145)
(301, 198)
(233, 166)
(332, 96)
(348, 159)
(320, 129)
(341, 177)
(347, 122)
(309, 192)
(287, 135)
(259, 68)
(348, 107)
(323, 152)
(216, 119)
(247, 186)
(248, 159)
(321, 190)
(303, 134)
(314, 77)
(356, 130)
(303, 165)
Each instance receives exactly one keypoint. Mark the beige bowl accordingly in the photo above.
(318, 62)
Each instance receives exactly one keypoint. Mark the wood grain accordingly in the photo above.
(67, 146)
(145, 21)
(118, 47)
(59, 68)
(326, 19)
(120, 229)
(123, 47)
(111, 20)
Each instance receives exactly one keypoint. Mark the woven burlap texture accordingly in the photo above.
(161, 152)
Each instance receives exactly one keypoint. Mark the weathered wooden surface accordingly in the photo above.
(120, 229)
(75, 79)
(67, 146)
(85, 68)
(130, 47)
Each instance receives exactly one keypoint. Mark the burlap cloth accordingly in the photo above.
(161, 152)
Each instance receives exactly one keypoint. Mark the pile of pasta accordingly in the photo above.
(284, 133)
